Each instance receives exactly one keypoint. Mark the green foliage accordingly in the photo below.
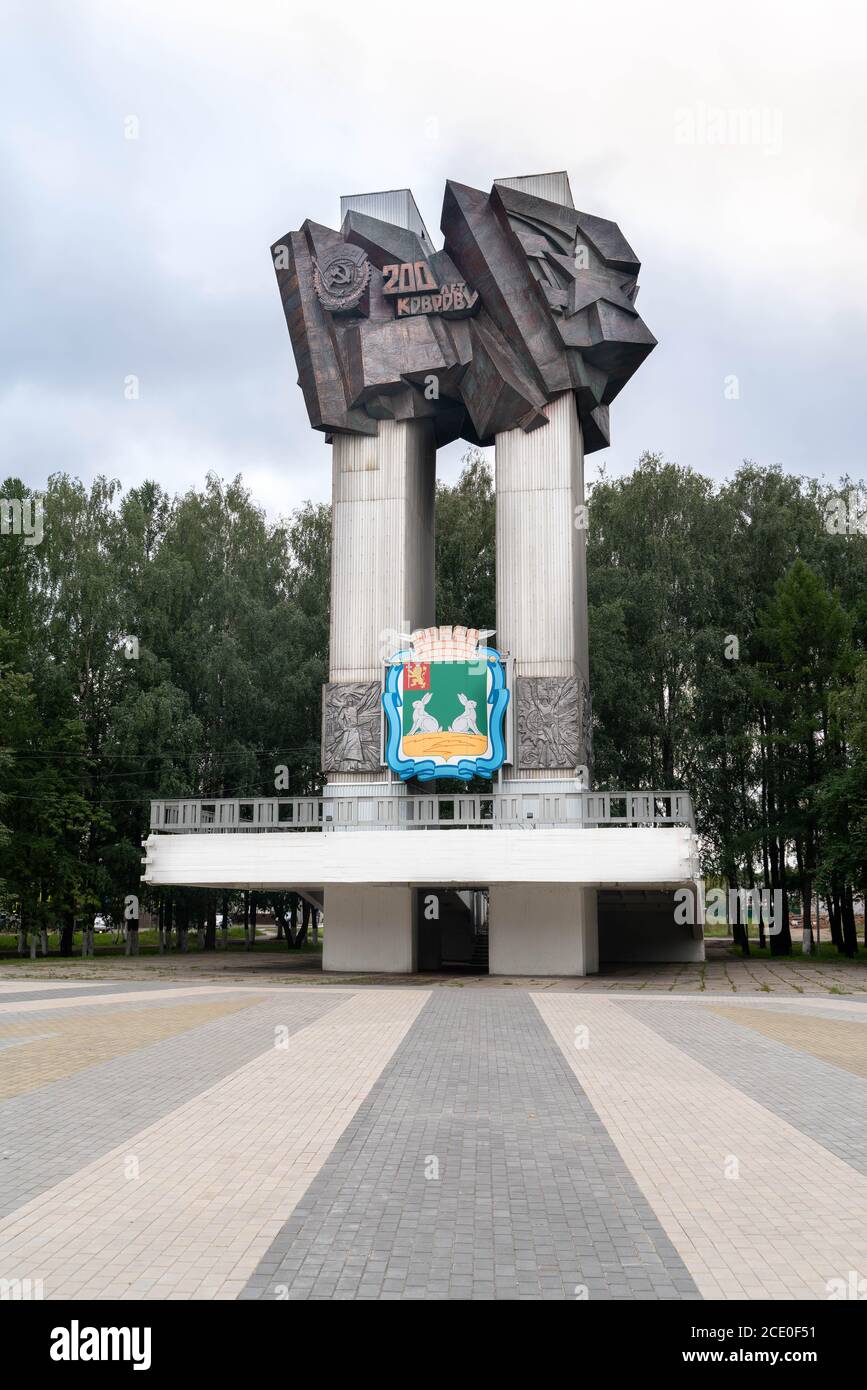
(465, 545)
(728, 646)
(229, 616)
(726, 629)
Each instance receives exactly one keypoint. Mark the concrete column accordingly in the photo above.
(541, 557)
(542, 622)
(543, 929)
(382, 558)
(369, 928)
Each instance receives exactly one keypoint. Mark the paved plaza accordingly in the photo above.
(237, 1138)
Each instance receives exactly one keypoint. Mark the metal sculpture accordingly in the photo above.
(527, 299)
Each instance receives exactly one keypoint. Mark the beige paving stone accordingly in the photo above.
(796, 1216)
(9, 985)
(239, 1156)
(64, 1046)
(841, 1041)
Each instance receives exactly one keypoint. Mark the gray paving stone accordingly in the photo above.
(823, 1101)
(48, 1133)
(532, 1197)
(93, 991)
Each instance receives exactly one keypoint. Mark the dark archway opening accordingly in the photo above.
(453, 930)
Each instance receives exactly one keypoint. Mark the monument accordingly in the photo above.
(518, 333)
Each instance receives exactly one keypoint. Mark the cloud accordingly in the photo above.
(726, 142)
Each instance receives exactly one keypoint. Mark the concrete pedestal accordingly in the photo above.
(542, 929)
(370, 929)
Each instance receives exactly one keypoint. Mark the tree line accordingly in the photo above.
(154, 645)
(150, 646)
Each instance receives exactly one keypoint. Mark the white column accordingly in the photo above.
(542, 929)
(541, 555)
(382, 584)
(369, 928)
(542, 621)
(382, 562)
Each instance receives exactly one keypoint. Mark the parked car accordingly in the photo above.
(101, 923)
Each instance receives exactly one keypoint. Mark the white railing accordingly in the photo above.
(483, 811)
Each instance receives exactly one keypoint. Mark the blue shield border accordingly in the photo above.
(425, 769)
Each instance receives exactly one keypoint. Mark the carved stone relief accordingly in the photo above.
(548, 716)
(351, 726)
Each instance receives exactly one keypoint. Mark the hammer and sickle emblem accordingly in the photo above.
(341, 280)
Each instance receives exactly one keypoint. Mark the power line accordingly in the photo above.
(147, 757)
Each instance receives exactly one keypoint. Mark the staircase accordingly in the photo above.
(479, 958)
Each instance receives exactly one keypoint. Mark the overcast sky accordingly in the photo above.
(728, 141)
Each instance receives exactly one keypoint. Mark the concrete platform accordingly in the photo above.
(594, 858)
(543, 885)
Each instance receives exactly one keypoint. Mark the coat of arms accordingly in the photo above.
(445, 702)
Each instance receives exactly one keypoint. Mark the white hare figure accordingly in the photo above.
(422, 722)
(466, 722)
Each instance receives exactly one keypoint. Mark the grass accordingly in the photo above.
(105, 946)
(826, 952)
